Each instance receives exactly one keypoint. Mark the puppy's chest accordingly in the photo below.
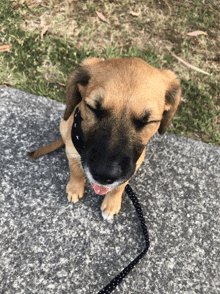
(65, 130)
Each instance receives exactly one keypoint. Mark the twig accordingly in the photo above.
(168, 6)
(189, 65)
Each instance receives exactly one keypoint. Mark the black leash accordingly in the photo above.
(118, 279)
(79, 143)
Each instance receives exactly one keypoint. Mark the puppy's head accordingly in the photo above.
(123, 103)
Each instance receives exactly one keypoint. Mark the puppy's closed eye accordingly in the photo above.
(90, 107)
(141, 122)
(99, 113)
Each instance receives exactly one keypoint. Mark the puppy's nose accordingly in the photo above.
(107, 174)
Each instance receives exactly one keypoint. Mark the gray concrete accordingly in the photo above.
(49, 245)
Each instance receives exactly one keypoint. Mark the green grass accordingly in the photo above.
(42, 66)
(196, 116)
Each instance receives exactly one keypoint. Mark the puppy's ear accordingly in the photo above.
(81, 77)
(78, 80)
(172, 99)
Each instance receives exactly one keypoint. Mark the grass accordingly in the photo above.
(41, 63)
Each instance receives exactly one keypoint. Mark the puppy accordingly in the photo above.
(120, 104)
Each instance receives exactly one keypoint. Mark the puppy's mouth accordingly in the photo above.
(100, 189)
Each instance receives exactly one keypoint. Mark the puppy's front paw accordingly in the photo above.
(111, 205)
(75, 190)
(73, 196)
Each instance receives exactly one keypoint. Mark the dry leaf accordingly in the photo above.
(4, 48)
(16, 4)
(196, 33)
(76, 33)
(6, 85)
(63, 85)
(134, 13)
(101, 16)
(26, 17)
(43, 32)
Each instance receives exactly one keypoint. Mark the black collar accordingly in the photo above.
(76, 133)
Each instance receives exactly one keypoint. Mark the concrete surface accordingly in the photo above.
(49, 245)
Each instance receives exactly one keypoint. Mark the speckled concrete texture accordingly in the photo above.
(49, 245)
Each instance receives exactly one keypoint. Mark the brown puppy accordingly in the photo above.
(123, 103)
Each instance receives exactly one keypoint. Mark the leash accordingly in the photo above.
(118, 279)
(79, 143)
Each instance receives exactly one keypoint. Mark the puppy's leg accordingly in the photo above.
(75, 187)
(111, 204)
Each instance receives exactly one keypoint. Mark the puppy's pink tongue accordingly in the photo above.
(100, 189)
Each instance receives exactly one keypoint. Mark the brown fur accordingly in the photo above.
(125, 87)
(46, 149)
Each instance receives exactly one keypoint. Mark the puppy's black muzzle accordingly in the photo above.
(109, 155)
(109, 167)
